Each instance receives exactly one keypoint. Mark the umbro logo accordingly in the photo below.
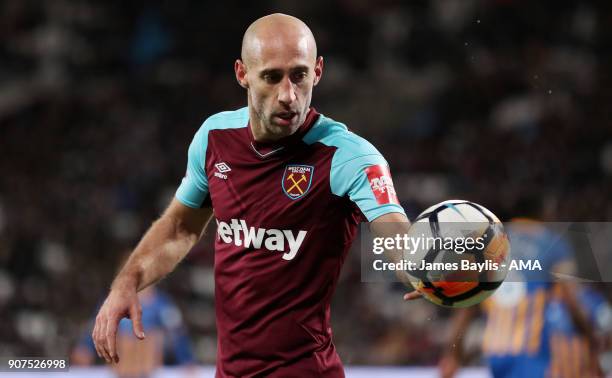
(222, 168)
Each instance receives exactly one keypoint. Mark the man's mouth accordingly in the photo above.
(285, 118)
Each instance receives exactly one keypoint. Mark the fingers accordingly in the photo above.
(412, 295)
(104, 336)
(107, 322)
(111, 339)
(95, 337)
(136, 316)
(101, 342)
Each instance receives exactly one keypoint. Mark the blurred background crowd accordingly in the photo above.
(482, 100)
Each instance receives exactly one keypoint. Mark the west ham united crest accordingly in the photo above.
(297, 180)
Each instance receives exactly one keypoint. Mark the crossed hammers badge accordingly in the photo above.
(297, 180)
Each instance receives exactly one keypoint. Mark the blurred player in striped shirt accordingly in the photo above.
(517, 333)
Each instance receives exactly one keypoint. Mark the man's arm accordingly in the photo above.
(453, 353)
(583, 325)
(568, 292)
(163, 246)
(389, 225)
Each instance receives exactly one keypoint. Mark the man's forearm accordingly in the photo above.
(163, 246)
(579, 318)
(388, 226)
(460, 322)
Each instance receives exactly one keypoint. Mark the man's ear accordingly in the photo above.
(318, 70)
(241, 73)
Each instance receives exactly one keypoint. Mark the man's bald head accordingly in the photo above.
(279, 68)
(277, 31)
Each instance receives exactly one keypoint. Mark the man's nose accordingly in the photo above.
(286, 92)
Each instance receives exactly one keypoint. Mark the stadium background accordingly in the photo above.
(483, 100)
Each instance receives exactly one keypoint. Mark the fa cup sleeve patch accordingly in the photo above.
(381, 184)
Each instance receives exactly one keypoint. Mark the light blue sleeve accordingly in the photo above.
(349, 177)
(194, 188)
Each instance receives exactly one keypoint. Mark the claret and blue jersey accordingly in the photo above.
(287, 213)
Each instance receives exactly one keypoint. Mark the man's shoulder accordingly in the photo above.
(232, 119)
(335, 134)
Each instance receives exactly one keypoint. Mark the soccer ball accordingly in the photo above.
(463, 254)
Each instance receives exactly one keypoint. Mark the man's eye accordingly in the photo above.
(299, 76)
(272, 78)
